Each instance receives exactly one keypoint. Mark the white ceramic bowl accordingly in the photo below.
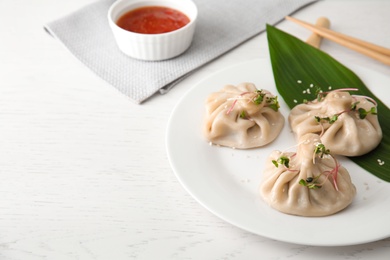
(153, 47)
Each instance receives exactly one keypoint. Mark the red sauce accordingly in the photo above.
(152, 20)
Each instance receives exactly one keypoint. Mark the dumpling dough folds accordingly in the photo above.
(348, 135)
(233, 120)
(280, 186)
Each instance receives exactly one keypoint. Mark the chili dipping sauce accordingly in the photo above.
(153, 20)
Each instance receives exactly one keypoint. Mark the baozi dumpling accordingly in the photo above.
(348, 125)
(309, 182)
(242, 117)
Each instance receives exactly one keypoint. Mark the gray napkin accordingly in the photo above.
(221, 26)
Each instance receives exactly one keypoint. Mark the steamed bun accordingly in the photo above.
(309, 182)
(337, 118)
(242, 117)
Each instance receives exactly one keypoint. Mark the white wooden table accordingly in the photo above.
(84, 171)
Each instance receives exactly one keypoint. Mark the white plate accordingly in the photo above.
(226, 181)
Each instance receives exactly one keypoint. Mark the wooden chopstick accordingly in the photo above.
(374, 51)
(315, 39)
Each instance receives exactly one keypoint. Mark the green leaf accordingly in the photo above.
(259, 98)
(275, 163)
(313, 186)
(303, 182)
(243, 115)
(299, 69)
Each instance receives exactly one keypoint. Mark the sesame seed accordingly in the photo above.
(330, 87)
(311, 85)
(295, 101)
(304, 92)
(380, 162)
(299, 81)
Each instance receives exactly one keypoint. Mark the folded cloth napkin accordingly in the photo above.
(221, 26)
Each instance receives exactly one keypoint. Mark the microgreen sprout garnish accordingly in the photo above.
(257, 97)
(363, 113)
(354, 105)
(273, 103)
(282, 160)
(341, 90)
(330, 120)
(315, 184)
(319, 93)
(368, 98)
(311, 183)
(320, 150)
(243, 115)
